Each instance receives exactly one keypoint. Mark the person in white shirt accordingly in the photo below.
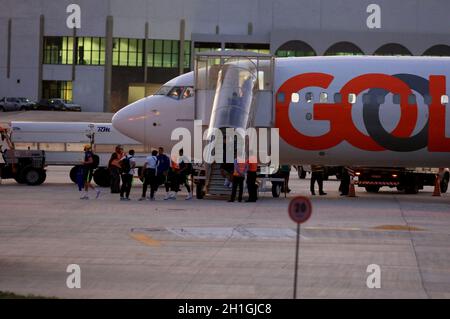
(128, 164)
(149, 176)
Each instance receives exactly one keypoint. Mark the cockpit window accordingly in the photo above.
(164, 90)
(188, 92)
(177, 92)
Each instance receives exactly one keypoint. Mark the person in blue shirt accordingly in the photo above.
(162, 171)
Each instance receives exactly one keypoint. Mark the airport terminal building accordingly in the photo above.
(119, 51)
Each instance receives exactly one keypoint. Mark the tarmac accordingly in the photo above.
(211, 249)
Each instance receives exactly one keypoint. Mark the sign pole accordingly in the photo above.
(296, 260)
(300, 210)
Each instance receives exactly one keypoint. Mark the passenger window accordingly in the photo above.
(309, 97)
(352, 98)
(412, 99)
(188, 93)
(396, 99)
(175, 93)
(280, 97)
(444, 99)
(295, 98)
(427, 99)
(338, 98)
(323, 97)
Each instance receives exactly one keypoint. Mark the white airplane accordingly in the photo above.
(349, 110)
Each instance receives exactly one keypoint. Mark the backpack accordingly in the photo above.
(95, 161)
(125, 164)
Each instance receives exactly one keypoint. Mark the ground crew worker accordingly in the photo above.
(344, 187)
(317, 174)
(88, 172)
(128, 164)
(285, 172)
(252, 167)
(240, 169)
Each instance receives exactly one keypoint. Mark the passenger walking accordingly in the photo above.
(173, 180)
(162, 171)
(240, 168)
(128, 164)
(317, 174)
(150, 176)
(88, 171)
(252, 167)
(115, 168)
(185, 172)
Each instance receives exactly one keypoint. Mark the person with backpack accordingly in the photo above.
(115, 168)
(128, 164)
(149, 176)
(90, 162)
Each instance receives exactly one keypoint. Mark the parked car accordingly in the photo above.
(57, 105)
(15, 104)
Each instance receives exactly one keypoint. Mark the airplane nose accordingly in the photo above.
(130, 121)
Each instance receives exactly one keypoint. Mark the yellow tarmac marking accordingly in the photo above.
(145, 239)
(398, 227)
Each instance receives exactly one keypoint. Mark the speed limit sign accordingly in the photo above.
(300, 209)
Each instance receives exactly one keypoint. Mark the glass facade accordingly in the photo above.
(166, 54)
(58, 50)
(90, 51)
(128, 52)
(57, 90)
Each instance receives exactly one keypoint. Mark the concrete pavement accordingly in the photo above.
(214, 249)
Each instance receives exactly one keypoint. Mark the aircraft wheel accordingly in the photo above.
(276, 190)
(444, 183)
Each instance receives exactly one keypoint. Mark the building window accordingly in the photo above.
(90, 51)
(249, 47)
(58, 50)
(128, 52)
(166, 54)
(295, 49)
(57, 90)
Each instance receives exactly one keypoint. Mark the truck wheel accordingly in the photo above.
(74, 173)
(276, 190)
(33, 176)
(19, 179)
(412, 189)
(444, 184)
(199, 192)
(102, 177)
(372, 189)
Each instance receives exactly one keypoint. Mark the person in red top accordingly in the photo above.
(252, 167)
